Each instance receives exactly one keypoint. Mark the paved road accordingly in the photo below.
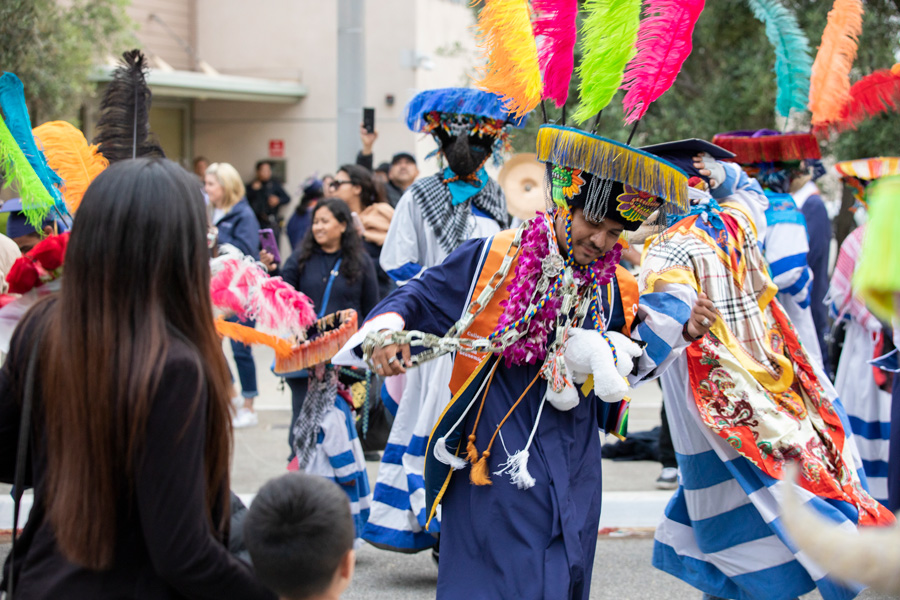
(622, 571)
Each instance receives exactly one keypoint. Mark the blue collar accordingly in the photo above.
(460, 191)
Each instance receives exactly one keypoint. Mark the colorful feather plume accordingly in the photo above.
(35, 205)
(829, 85)
(870, 96)
(19, 174)
(70, 156)
(793, 60)
(123, 129)
(608, 38)
(663, 44)
(512, 70)
(555, 27)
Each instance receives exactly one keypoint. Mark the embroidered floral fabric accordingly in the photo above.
(753, 383)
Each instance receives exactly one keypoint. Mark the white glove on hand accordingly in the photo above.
(716, 170)
(587, 353)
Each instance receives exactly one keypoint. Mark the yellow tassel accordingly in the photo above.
(479, 473)
(608, 159)
(471, 451)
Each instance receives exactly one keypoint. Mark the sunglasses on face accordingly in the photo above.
(336, 184)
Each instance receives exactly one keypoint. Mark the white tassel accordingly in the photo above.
(442, 454)
(516, 466)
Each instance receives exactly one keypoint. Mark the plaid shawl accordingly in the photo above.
(752, 382)
(728, 265)
(451, 224)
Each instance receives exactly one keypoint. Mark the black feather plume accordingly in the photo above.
(123, 129)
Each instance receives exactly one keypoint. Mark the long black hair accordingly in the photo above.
(136, 279)
(351, 244)
(371, 191)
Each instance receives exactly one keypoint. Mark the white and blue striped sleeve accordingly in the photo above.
(662, 314)
(786, 248)
(400, 255)
(337, 446)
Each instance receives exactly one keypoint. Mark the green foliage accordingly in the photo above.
(728, 82)
(53, 48)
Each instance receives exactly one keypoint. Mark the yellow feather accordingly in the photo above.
(512, 70)
(69, 154)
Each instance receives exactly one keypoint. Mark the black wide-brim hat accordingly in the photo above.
(607, 179)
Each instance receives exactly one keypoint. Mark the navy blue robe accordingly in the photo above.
(498, 541)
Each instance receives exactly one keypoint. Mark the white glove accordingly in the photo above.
(716, 170)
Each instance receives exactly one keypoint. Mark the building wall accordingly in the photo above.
(410, 45)
(158, 22)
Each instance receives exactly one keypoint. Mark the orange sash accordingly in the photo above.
(486, 322)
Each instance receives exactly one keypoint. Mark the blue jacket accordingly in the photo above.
(240, 228)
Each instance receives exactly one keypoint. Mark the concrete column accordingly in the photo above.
(351, 78)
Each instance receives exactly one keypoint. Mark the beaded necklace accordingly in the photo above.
(535, 305)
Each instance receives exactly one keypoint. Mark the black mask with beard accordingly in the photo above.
(465, 154)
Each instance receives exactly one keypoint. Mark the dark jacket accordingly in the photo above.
(361, 294)
(240, 228)
(259, 200)
(165, 546)
(818, 230)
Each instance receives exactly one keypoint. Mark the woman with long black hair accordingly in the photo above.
(131, 435)
(331, 267)
(365, 196)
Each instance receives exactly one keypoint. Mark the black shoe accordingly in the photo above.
(372, 456)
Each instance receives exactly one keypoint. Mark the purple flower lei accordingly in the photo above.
(535, 246)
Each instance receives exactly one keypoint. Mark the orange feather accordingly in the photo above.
(69, 154)
(829, 85)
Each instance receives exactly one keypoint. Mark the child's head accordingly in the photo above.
(300, 533)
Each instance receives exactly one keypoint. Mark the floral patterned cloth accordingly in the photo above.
(752, 381)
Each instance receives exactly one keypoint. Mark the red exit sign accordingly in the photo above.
(276, 148)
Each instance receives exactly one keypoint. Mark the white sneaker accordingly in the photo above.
(245, 418)
(237, 402)
(668, 479)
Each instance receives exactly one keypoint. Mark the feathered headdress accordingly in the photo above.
(555, 26)
(123, 129)
(872, 95)
(664, 43)
(607, 38)
(793, 62)
(591, 172)
(829, 87)
(512, 70)
(24, 165)
(70, 156)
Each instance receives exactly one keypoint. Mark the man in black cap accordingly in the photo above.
(402, 172)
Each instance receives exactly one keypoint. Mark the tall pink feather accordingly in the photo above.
(555, 29)
(664, 43)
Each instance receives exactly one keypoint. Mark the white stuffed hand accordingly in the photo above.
(627, 351)
(588, 353)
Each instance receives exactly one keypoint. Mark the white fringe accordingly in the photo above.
(516, 465)
(440, 452)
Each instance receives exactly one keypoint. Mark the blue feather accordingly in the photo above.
(463, 101)
(793, 61)
(15, 113)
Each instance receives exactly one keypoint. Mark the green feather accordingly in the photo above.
(18, 173)
(608, 39)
